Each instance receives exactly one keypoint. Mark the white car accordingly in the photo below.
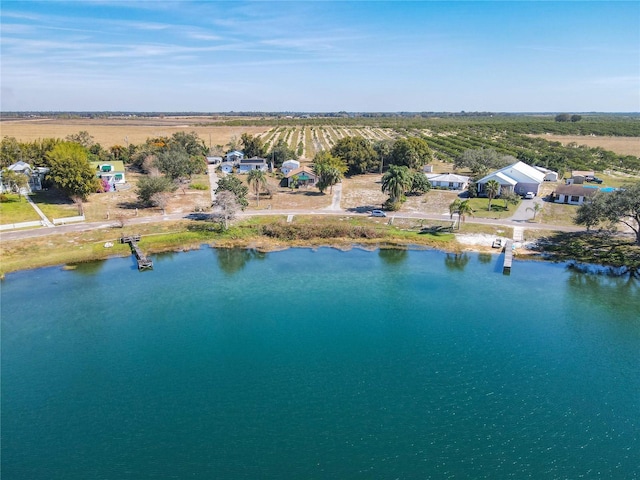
(378, 213)
(529, 195)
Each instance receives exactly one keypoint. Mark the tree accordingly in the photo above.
(412, 152)
(622, 205)
(563, 117)
(535, 209)
(71, 171)
(462, 208)
(227, 203)
(160, 199)
(190, 142)
(81, 138)
(257, 180)
(14, 181)
(576, 118)
(330, 169)
(150, 185)
(419, 184)
(395, 182)
(281, 152)
(176, 163)
(510, 198)
(480, 161)
(357, 153)
(252, 146)
(233, 184)
(383, 148)
(492, 189)
(10, 151)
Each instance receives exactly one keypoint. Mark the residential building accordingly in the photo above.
(448, 180)
(519, 178)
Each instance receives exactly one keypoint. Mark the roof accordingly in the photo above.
(519, 171)
(447, 177)
(118, 165)
(19, 166)
(247, 161)
(582, 173)
(499, 177)
(578, 190)
(300, 171)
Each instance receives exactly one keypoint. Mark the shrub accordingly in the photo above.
(198, 186)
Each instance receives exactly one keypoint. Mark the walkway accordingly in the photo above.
(45, 220)
(335, 200)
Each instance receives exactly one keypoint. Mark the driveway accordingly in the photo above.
(522, 214)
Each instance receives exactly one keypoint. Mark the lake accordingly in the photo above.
(232, 364)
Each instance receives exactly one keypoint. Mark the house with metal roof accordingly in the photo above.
(448, 180)
(519, 178)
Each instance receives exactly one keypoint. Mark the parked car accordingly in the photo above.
(529, 195)
(378, 213)
(597, 180)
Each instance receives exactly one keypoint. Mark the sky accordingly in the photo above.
(320, 56)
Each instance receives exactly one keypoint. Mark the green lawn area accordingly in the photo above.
(498, 210)
(54, 204)
(16, 209)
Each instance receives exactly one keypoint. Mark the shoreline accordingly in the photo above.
(67, 250)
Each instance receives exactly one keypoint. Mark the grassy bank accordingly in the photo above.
(275, 233)
(261, 233)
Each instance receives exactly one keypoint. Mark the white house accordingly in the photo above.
(234, 156)
(289, 165)
(573, 194)
(255, 163)
(549, 175)
(448, 180)
(518, 177)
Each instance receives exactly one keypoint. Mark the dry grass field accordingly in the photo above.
(619, 145)
(122, 131)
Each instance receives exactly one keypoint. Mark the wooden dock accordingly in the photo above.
(508, 257)
(144, 263)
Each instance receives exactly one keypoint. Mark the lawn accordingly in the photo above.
(16, 209)
(498, 209)
(54, 204)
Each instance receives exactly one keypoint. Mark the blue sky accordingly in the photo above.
(320, 56)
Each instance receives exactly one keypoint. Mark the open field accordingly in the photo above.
(109, 132)
(619, 145)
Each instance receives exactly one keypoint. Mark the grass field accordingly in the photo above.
(122, 132)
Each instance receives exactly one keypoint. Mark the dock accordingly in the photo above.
(144, 263)
(508, 257)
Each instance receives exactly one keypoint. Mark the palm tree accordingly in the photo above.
(464, 209)
(461, 208)
(492, 188)
(256, 180)
(396, 181)
(535, 209)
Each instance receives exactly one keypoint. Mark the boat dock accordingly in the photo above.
(508, 257)
(144, 263)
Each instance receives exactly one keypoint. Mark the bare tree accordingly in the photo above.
(227, 205)
(160, 199)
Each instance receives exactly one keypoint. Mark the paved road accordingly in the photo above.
(86, 226)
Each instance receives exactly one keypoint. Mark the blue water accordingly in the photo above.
(228, 364)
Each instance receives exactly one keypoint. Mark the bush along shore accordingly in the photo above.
(617, 254)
